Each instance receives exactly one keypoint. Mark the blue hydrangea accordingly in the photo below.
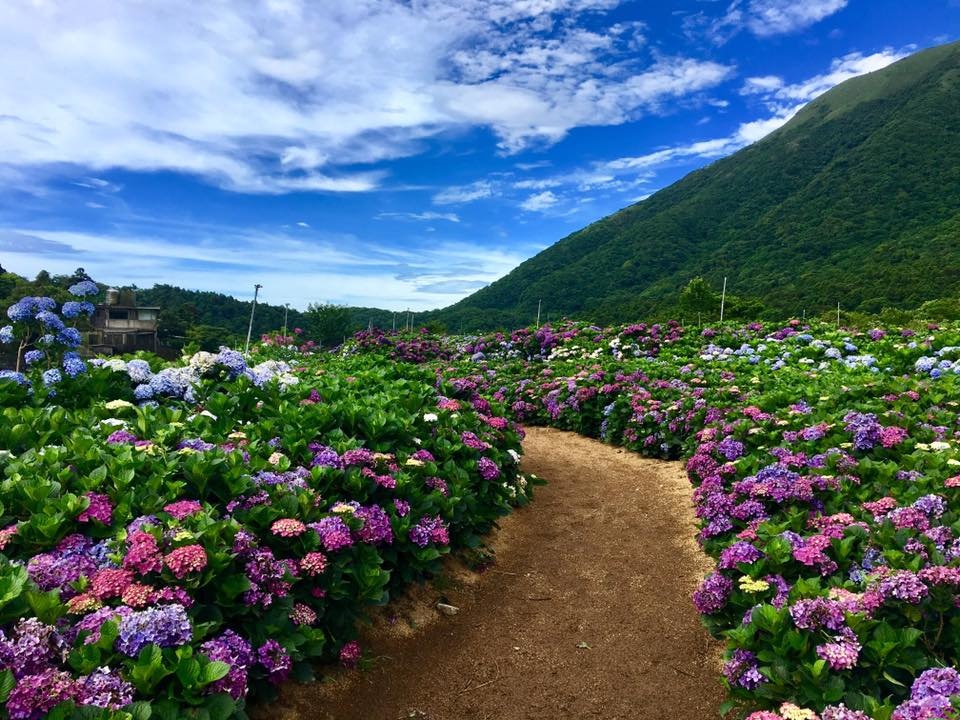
(74, 366)
(70, 337)
(72, 309)
(47, 339)
(18, 378)
(232, 360)
(31, 357)
(83, 288)
(51, 320)
(139, 371)
(20, 311)
(52, 377)
(6, 334)
(143, 391)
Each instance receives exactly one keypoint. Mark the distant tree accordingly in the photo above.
(211, 337)
(698, 298)
(328, 323)
(43, 278)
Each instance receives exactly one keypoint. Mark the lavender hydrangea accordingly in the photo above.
(104, 688)
(742, 670)
(165, 626)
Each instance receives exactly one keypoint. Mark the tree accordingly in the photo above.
(327, 323)
(698, 298)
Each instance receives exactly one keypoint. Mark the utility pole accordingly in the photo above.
(539, 302)
(723, 297)
(838, 314)
(286, 309)
(253, 308)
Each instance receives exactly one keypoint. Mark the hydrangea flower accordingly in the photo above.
(164, 626)
(84, 288)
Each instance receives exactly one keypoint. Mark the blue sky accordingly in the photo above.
(393, 154)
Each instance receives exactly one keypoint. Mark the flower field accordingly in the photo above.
(177, 539)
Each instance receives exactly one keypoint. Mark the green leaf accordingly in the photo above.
(7, 682)
(213, 671)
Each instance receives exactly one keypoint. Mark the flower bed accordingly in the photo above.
(178, 539)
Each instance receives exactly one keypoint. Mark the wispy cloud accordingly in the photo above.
(427, 216)
(465, 193)
(763, 18)
(253, 97)
(291, 269)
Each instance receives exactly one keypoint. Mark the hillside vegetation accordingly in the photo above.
(856, 200)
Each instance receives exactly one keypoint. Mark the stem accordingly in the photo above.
(23, 344)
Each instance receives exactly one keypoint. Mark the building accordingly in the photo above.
(122, 326)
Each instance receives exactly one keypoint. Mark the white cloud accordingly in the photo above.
(451, 217)
(303, 224)
(760, 85)
(763, 18)
(540, 202)
(293, 96)
(841, 69)
(780, 17)
(231, 260)
(465, 193)
(783, 102)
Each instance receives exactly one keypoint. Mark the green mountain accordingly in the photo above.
(856, 200)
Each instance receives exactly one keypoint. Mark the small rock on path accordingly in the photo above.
(586, 613)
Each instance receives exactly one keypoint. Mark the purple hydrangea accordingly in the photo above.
(488, 469)
(334, 533)
(819, 612)
(104, 688)
(165, 626)
(713, 593)
(741, 670)
(32, 647)
(36, 695)
(275, 659)
(429, 529)
(739, 552)
(238, 654)
(376, 528)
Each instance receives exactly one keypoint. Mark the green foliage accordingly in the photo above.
(328, 324)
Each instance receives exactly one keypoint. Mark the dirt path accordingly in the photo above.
(586, 613)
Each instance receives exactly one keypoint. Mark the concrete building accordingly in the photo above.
(122, 326)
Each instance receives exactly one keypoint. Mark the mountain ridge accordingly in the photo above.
(854, 200)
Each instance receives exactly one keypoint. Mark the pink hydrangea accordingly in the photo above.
(110, 582)
(183, 508)
(313, 563)
(138, 595)
(99, 509)
(288, 527)
(143, 556)
(185, 560)
(350, 654)
(8, 532)
(303, 615)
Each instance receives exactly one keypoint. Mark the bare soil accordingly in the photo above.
(585, 614)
